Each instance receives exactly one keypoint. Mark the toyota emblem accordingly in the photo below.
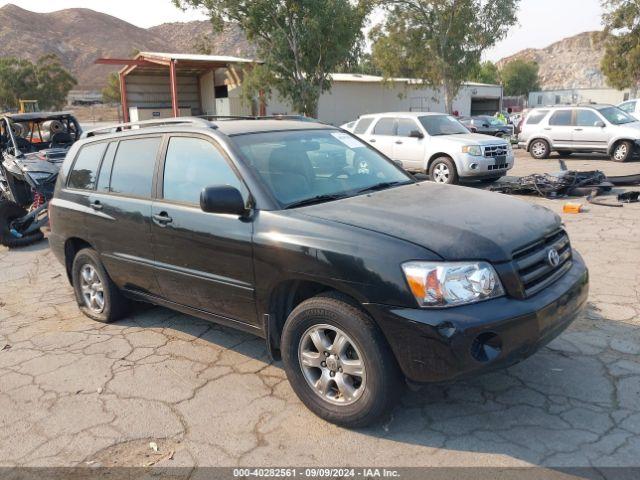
(553, 257)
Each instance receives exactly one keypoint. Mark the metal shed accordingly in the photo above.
(175, 84)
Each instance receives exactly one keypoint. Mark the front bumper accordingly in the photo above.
(479, 166)
(446, 344)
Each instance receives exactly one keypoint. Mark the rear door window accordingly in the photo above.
(193, 164)
(385, 126)
(133, 167)
(561, 118)
(85, 170)
(105, 170)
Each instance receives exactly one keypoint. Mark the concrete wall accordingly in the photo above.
(577, 95)
(348, 100)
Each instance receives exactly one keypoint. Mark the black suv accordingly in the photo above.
(358, 276)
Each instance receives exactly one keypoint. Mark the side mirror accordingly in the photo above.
(398, 163)
(599, 123)
(416, 134)
(222, 199)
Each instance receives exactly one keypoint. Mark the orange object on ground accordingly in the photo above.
(572, 208)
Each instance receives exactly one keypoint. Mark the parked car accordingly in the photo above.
(581, 128)
(632, 107)
(487, 125)
(32, 148)
(355, 274)
(436, 144)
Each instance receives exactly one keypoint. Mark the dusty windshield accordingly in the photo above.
(308, 166)
(436, 125)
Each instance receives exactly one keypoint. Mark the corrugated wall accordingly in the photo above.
(154, 91)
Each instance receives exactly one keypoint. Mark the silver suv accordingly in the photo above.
(581, 128)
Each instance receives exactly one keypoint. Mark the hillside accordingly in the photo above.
(573, 62)
(79, 36)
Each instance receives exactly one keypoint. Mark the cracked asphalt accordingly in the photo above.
(74, 392)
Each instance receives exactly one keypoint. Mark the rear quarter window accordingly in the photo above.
(133, 167)
(84, 173)
(534, 118)
(363, 125)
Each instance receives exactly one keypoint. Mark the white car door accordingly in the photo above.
(382, 135)
(410, 150)
(586, 134)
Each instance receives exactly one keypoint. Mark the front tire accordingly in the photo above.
(96, 294)
(622, 151)
(338, 362)
(9, 212)
(539, 149)
(443, 170)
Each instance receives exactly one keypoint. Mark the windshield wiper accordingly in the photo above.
(316, 199)
(382, 186)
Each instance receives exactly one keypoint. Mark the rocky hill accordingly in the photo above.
(573, 62)
(79, 36)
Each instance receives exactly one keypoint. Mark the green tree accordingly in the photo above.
(300, 42)
(621, 61)
(46, 81)
(111, 93)
(486, 72)
(520, 77)
(439, 42)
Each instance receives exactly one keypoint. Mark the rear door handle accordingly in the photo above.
(373, 140)
(398, 142)
(578, 129)
(96, 205)
(162, 219)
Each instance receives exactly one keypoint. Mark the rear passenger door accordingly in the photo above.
(560, 128)
(203, 260)
(119, 223)
(382, 136)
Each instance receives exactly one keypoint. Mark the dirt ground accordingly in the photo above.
(75, 392)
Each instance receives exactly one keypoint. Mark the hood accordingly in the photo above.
(48, 161)
(470, 139)
(456, 223)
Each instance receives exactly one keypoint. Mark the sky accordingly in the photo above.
(541, 22)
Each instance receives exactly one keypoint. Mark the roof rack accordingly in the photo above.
(149, 124)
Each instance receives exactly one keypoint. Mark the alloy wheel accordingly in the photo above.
(441, 173)
(92, 288)
(539, 149)
(332, 364)
(621, 152)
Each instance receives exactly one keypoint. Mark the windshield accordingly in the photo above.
(436, 125)
(616, 116)
(494, 121)
(317, 165)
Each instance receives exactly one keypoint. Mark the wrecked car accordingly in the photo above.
(32, 146)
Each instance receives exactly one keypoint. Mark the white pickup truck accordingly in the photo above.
(436, 144)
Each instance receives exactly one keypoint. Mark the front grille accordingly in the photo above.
(532, 262)
(500, 166)
(495, 150)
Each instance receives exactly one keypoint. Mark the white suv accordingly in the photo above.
(436, 144)
(632, 107)
(582, 128)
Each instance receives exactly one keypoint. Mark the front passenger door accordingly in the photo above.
(203, 260)
(409, 150)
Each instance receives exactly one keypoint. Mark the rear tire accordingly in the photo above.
(622, 152)
(9, 212)
(539, 149)
(96, 294)
(350, 397)
(443, 170)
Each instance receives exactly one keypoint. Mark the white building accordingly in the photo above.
(577, 95)
(352, 95)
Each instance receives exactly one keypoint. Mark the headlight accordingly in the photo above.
(451, 284)
(474, 150)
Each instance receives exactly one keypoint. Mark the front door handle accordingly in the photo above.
(162, 219)
(398, 142)
(373, 140)
(96, 205)
(578, 129)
